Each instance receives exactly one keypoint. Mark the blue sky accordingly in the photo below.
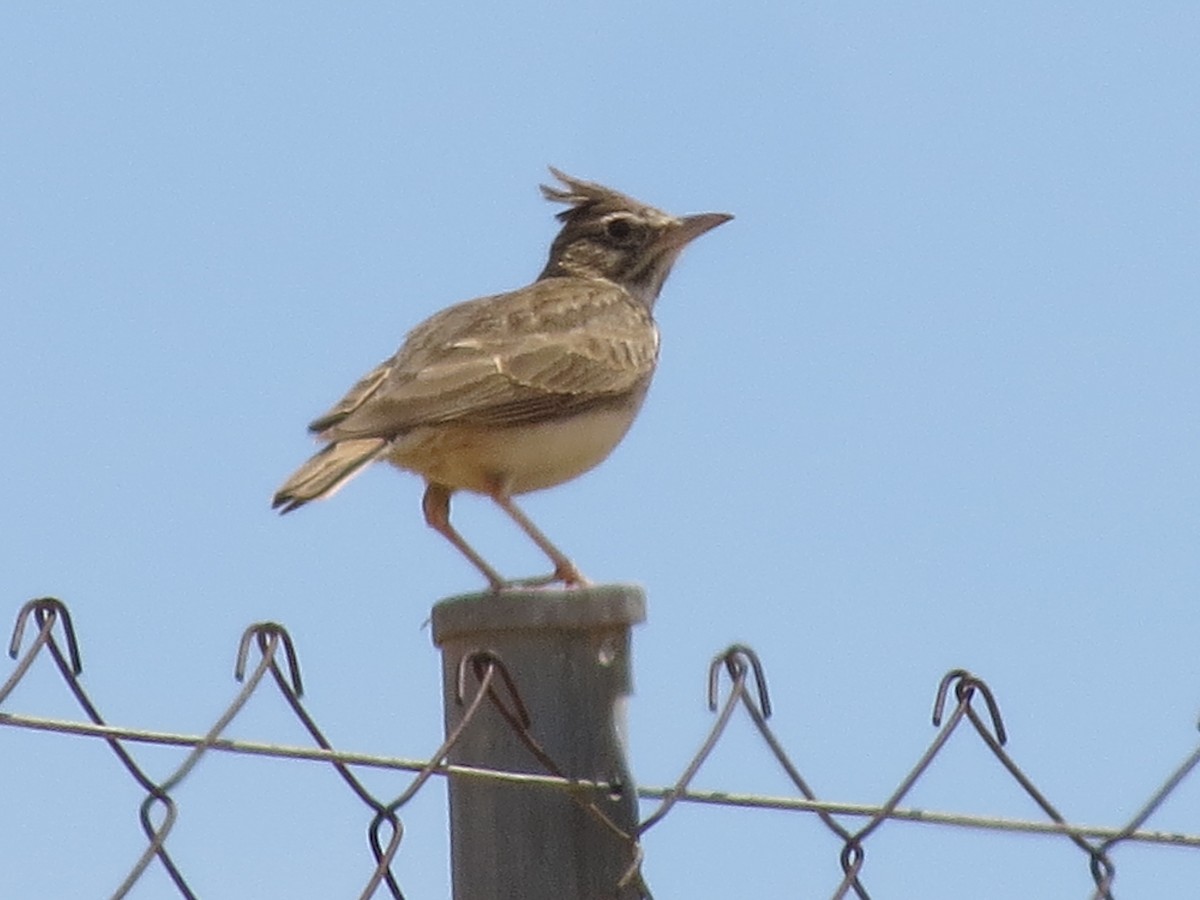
(929, 401)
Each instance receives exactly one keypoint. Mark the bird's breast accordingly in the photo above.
(521, 458)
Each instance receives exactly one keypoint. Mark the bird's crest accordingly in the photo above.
(585, 197)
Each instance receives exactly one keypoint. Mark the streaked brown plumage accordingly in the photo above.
(521, 391)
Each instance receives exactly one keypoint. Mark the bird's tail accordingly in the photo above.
(326, 472)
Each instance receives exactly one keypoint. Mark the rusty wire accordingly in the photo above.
(495, 685)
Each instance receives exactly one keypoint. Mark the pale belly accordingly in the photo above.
(518, 459)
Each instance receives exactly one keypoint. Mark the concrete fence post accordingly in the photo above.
(568, 652)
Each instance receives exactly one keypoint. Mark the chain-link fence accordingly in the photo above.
(266, 655)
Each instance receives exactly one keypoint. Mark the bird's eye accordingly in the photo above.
(619, 229)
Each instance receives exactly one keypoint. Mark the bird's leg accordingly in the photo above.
(564, 570)
(436, 506)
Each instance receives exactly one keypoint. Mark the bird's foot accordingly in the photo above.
(567, 575)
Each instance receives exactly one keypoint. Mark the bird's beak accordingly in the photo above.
(691, 227)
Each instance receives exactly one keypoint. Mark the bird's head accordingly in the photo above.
(609, 235)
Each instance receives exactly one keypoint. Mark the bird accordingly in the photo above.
(520, 391)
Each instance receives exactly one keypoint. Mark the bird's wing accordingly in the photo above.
(554, 349)
(355, 397)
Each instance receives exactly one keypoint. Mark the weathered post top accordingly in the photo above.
(598, 606)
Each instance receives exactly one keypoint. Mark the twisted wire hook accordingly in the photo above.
(262, 632)
(735, 658)
(482, 661)
(45, 610)
(965, 685)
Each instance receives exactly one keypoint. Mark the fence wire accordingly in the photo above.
(958, 700)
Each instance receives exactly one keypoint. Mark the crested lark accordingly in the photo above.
(520, 391)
